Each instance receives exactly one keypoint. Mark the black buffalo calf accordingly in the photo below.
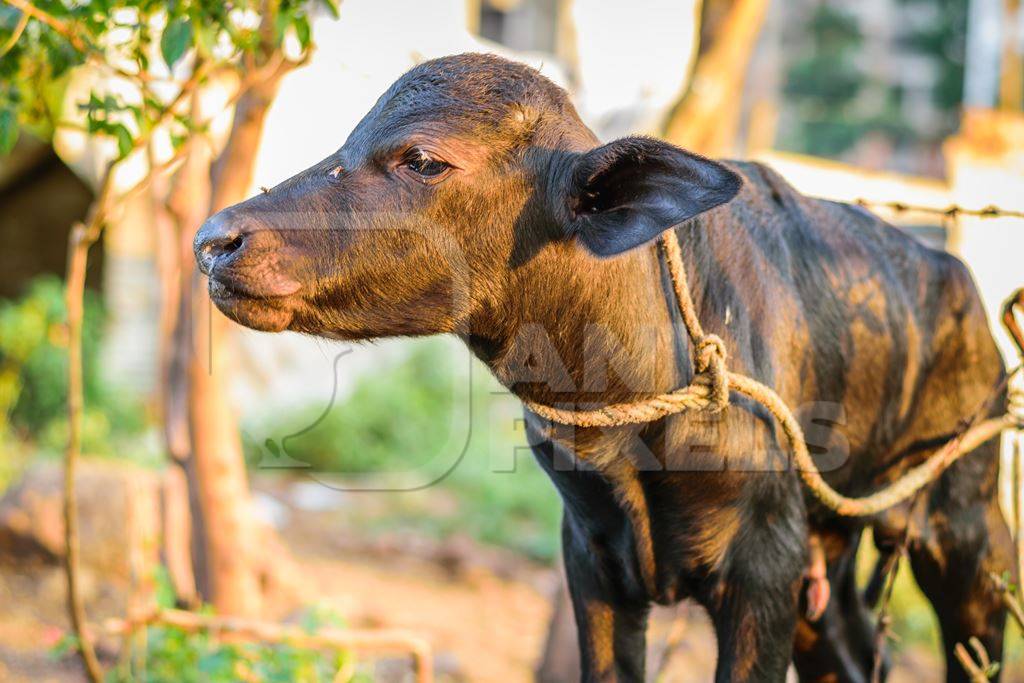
(471, 200)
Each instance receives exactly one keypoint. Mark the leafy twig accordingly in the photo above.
(1011, 601)
(983, 669)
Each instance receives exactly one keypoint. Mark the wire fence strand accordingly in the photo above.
(950, 211)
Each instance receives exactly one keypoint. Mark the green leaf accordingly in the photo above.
(177, 38)
(206, 39)
(281, 20)
(8, 130)
(125, 144)
(334, 7)
(302, 30)
(163, 592)
(68, 643)
(218, 665)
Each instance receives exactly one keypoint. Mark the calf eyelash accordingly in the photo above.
(424, 165)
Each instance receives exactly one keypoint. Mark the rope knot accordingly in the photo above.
(709, 360)
(709, 352)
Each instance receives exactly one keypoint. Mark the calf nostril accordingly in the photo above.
(224, 246)
(219, 237)
(233, 245)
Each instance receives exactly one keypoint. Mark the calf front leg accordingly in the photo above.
(753, 600)
(754, 632)
(611, 627)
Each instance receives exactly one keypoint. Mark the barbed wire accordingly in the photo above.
(951, 211)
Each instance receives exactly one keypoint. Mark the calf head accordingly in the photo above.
(462, 172)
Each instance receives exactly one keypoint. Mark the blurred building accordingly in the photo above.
(877, 83)
(40, 197)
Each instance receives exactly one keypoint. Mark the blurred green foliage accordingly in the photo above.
(33, 379)
(175, 656)
(424, 415)
(944, 40)
(171, 655)
(129, 36)
(914, 624)
(393, 419)
(835, 101)
(912, 617)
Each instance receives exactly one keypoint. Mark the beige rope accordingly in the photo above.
(710, 392)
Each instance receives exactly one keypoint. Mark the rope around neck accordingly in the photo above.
(709, 392)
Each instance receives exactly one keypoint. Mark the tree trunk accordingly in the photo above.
(233, 170)
(706, 118)
(223, 488)
(1011, 77)
(231, 535)
(186, 208)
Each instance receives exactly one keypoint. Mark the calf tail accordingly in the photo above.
(1016, 301)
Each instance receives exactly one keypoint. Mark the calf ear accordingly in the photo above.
(629, 191)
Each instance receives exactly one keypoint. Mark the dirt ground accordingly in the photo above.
(484, 611)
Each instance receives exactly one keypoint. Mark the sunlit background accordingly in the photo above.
(391, 484)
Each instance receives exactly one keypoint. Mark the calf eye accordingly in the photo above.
(420, 163)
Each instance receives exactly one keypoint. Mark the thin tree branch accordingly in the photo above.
(979, 671)
(53, 22)
(81, 238)
(1011, 601)
(182, 152)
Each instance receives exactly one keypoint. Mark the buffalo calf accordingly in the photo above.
(472, 200)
